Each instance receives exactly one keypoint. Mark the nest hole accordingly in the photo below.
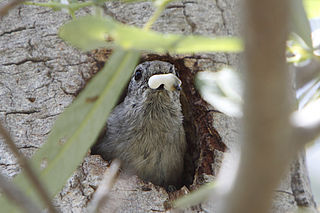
(201, 137)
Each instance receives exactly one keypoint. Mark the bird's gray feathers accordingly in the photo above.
(145, 131)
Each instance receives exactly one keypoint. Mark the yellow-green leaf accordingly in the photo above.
(312, 8)
(91, 32)
(300, 23)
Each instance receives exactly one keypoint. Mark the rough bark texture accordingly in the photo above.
(40, 75)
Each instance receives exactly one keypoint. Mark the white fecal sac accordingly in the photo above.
(170, 81)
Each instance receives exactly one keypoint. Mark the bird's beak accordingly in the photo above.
(169, 81)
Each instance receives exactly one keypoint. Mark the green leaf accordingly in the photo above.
(300, 23)
(312, 8)
(87, 33)
(78, 126)
(92, 32)
(298, 50)
(223, 90)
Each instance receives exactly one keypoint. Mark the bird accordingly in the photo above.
(145, 131)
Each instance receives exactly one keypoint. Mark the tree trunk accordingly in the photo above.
(40, 75)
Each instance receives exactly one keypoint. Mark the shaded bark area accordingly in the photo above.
(40, 75)
(300, 182)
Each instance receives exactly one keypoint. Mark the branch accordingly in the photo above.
(31, 175)
(102, 194)
(17, 196)
(10, 5)
(266, 129)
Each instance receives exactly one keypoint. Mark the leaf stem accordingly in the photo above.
(160, 6)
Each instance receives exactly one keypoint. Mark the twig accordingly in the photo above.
(10, 5)
(102, 194)
(17, 196)
(24, 163)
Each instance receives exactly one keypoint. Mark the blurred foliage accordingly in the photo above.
(312, 8)
(309, 93)
(55, 5)
(302, 50)
(299, 51)
(223, 90)
(300, 44)
(299, 22)
(91, 32)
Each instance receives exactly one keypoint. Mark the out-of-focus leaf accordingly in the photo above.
(87, 33)
(312, 8)
(56, 5)
(78, 126)
(128, 1)
(315, 28)
(309, 93)
(299, 52)
(195, 197)
(300, 23)
(309, 115)
(223, 90)
(92, 32)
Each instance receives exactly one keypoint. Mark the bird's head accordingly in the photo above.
(154, 79)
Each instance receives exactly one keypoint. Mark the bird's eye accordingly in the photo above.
(138, 75)
(171, 70)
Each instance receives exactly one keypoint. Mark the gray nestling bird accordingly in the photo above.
(145, 131)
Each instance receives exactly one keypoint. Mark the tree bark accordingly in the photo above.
(40, 75)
